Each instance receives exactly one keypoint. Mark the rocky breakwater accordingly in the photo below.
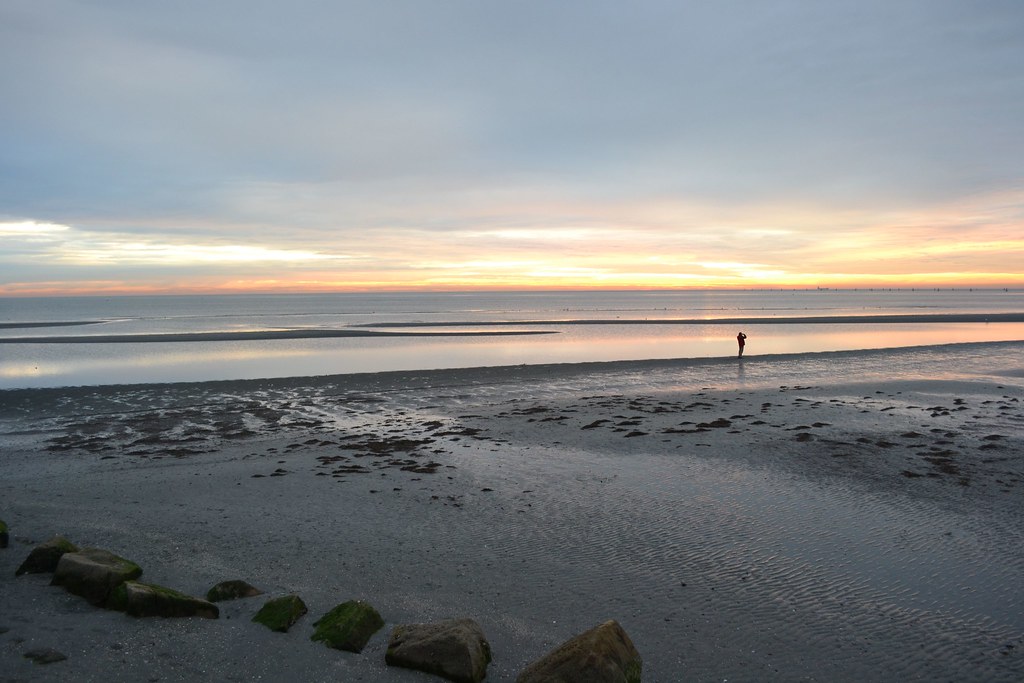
(108, 580)
(454, 649)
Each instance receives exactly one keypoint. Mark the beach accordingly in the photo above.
(837, 516)
(522, 342)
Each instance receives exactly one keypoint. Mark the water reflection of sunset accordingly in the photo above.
(63, 364)
(71, 360)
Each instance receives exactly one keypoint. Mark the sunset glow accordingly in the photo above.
(191, 159)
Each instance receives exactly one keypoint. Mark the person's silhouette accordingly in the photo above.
(741, 339)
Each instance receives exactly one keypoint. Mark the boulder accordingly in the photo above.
(231, 590)
(604, 654)
(279, 614)
(93, 573)
(44, 557)
(349, 626)
(148, 600)
(5, 534)
(455, 649)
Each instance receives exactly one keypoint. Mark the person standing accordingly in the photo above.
(741, 339)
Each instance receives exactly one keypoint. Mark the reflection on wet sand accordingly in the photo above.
(33, 365)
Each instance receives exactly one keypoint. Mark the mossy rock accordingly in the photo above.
(232, 590)
(279, 614)
(5, 534)
(93, 573)
(148, 600)
(349, 626)
(44, 557)
(604, 654)
(455, 649)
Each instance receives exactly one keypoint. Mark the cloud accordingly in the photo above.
(141, 253)
(610, 244)
(32, 231)
(28, 241)
(792, 135)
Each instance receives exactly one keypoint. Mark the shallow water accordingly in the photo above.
(49, 365)
(287, 309)
(71, 364)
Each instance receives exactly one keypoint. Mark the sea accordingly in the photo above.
(102, 340)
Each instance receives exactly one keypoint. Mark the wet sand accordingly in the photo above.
(809, 530)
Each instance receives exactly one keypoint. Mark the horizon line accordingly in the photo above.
(500, 290)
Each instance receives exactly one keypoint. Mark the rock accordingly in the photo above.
(44, 557)
(93, 573)
(349, 626)
(231, 590)
(148, 600)
(455, 649)
(45, 656)
(5, 534)
(604, 654)
(280, 613)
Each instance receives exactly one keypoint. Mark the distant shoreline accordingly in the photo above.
(781, 320)
(171, 294)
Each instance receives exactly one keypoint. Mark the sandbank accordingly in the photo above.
(251, 335)
(55, 323)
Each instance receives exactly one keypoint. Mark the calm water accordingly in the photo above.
(36, 364)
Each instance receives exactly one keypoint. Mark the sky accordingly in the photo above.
(313, 145)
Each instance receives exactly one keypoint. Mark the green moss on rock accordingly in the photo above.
(45, 556)
(232, 590)
(93, 573)
(279, 614)
(149, 600)
(349, 626)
